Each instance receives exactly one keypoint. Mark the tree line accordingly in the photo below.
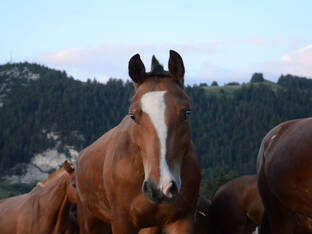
(228, 122)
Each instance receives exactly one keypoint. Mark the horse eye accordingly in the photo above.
(187, 114)
(132, 116)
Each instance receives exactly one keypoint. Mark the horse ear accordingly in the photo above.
(137, 70)
(68, 167)
(176, 67)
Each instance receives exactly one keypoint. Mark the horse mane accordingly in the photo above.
(53, 178)
(67, 168)
(157, 69)
(62, 210)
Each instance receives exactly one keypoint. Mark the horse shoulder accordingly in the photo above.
(97, 179)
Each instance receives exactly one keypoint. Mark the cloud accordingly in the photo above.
(107, 61)
(266, 41)
(297, 62)
(223, 61)
(210, 72)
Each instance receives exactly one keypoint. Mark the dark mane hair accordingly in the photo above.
(157, 69)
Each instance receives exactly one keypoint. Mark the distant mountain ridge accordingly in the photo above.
(47, 117)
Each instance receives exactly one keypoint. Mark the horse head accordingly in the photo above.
(159, 115)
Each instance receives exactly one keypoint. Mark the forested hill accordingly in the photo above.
(42, 109)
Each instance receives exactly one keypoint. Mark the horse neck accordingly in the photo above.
(65, 222)
(54, 203)
(127, 126)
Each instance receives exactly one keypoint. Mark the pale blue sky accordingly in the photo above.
(218, 40)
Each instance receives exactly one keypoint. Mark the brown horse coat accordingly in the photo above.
(138, 156)
(48, 208)
(236, 207)
(284, 168)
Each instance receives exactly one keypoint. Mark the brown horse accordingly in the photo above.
(144, 172)
(284, 168)
(48, 208)
(236, 207)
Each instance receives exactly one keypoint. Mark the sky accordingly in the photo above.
(218, 40)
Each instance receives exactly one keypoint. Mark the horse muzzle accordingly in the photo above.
(167, 193)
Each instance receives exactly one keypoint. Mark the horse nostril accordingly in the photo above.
(173, 190)
(170, 190)
(150, 191)
(167, 193)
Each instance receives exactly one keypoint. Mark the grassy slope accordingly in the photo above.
(229, 90)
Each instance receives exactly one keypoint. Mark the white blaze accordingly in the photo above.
(153, 104)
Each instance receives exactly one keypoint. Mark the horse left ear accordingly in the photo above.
(176, 67)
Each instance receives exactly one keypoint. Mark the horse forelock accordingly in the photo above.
(157, 69)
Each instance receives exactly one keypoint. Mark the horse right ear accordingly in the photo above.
(137, 70)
